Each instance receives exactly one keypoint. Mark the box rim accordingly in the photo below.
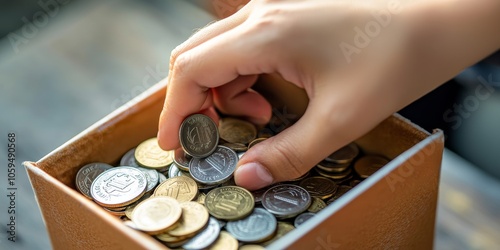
(309, 225)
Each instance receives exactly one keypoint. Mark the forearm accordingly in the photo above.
(446, 36)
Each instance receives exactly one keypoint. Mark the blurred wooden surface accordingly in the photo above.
(94, 56)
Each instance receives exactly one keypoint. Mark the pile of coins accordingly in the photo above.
(186, 198)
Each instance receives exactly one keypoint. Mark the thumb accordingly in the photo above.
(292, 152)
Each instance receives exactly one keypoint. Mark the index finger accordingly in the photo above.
(193, 74)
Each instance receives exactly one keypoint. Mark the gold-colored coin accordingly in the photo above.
(167, 238)
(201, 198)
(181, 188)
(114, 212)
(229, 202)
(317, 205)
(149, 154)
(256, 141)
(334, 176)
(251, 247)
(237, 147)
(194, 218)
(319, 186)
(224, 242)
(130, 208)
(236, 131)
(282, 229)
(156, 215)
(367, 165)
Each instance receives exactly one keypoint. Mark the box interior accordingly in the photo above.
(107, 140)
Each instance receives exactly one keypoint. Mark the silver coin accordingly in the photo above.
(240, 154)
(119, 186)
(344, 155)
(181, 159)
(216, 168)
(299, 220)
(198, 135)
(161, 178)
(206, 237)
(128, 159)
(258, 226)
(87, 174)
(257, 194)
(175, 171)
(286, 200)
(152, 177)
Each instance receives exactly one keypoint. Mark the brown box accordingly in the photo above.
(394, 208)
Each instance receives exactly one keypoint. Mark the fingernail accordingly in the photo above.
(253, 176)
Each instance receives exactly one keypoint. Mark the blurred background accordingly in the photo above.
(64, 64)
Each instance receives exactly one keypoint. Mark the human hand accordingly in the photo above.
(352, 84)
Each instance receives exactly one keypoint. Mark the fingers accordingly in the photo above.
(236, 98)
(212, 30)
(291, 153)
(209, 65)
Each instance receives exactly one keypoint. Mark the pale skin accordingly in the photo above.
(425, 44)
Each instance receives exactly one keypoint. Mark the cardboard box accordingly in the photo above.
(394, 208)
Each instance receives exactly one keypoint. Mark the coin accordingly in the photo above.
(332, 167)
(225, 241)
(156, 215)
(87, 174)
(229, 202)
(257, 194)
(174, 171)
(114, 212)
(286, 200)
(256, 141)
(181, 188)
(201, 198)
(237, 147)
(283, 228)
(167, 238)
(299, 220)
(130, 208)
(258, 226)
(251, 247)
(194, 217)
(317, 205)
(128, 159)
(367, 165)
(206, 237)
(236, 131)
(240, 154)
(161, 178)
(354, 183)
(149, 154)
(118, 187)
(334, 176)
(181, 159)
(216, 168)
(198, 135)
(340, 191)
(320, 187)
(344, 155)
(152, 177)
(300, 177)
